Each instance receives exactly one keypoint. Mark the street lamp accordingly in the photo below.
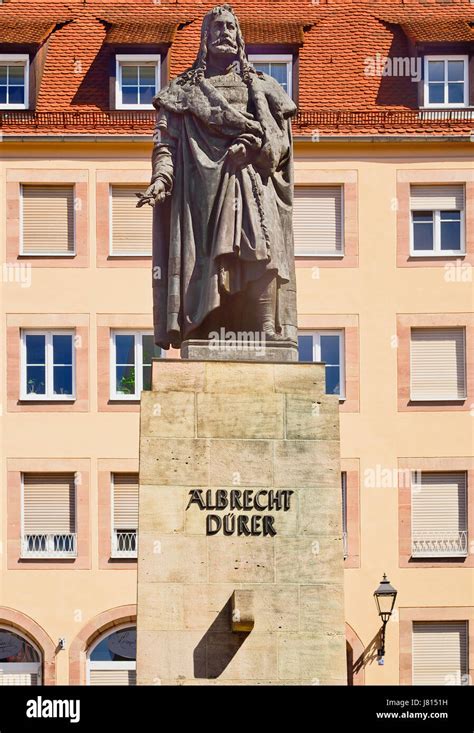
(385, 596)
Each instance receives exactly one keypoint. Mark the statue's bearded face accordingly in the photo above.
(222, 35)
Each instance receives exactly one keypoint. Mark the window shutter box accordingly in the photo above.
(125, 499)
(47, 221)
(49, 503)
(434, 198)
(439, 652)
(121, 677)
(131, 227)
(437, 369)
(439, 514)
(317, 220)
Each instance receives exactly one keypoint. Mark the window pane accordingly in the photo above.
(125, 379)
(333, 380)
(146, 95)
(16, 95)
(35, 349)
(125, 349)
(16, 74)
(422, 231)
(305, 348)
(3, 95)
(455, 93)
(146, 377)
(330, 349)
(130, 95)
(450, 230)
(130, 75)
(149, 349)
(279, 73)
(436, 93)
(62, 377)
(262, 66)
(118, 646)
(62, 349)
(35, 380)
(436, 70)
(455, 70)
(147, 75)
(3, 74)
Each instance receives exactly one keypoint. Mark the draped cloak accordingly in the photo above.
(222, 226)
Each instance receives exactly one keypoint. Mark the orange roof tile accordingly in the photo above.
(142, 33)
(285, 33)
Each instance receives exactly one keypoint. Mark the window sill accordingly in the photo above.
(436, 256)
(320, 256)
(437, 400)
(136, 107)
(133, 256)
(48, 255)
(45, 400)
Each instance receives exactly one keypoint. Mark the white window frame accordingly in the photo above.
(120, 255)
(134, 59)
(18, 59)
(48, 553)
(114, 554)
(323, 255)
(49, 396)
(90, 665)
(138, 363)
(446, 105)
(23, 667)
(287, 58)
(437, 251)
(47, 254)
(316, 335)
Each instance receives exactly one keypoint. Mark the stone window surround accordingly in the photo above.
(16, 322)
(407, 321)
(106, 467)
(350, 325)
(405, 178)
(435, 613)
(28, 628)
(404, 510)
(17, 466)
(15, 177)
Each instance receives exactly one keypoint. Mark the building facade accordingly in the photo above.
(384, 241)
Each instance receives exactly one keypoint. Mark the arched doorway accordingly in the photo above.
(112, 657)
(20, 659)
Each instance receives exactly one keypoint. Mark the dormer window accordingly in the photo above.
(446, 82)
(279, 66)
(14, 70)
(137, 81)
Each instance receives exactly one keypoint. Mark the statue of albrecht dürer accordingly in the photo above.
(222, 174)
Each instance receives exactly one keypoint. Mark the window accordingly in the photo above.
(49, 516)
(344, 513)
(47, 220)
(137, 81)
(437, 364)
(47, 365)
(439, 653)
(112, 659)
(328, 347)
(446, 81)
(437, 215)
(124, 514)
(132, 354)
(20, 661)
(278, 66)
(14, 70)
(439, 514)
(130, 228)
(318, 221)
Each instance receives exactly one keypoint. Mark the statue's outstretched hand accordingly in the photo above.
(237, 153)
(155, 194)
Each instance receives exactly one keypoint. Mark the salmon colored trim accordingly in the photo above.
(350, 325)
(439, 613)
(94, 628)
(104, 180)
(349, 181)
(354, 641)
(351, 467)
(405, 178)
(32, 630)
(406, 465)
(106, 467)
(17, 323)
(15, 177)
(405, 323)
(17, 466)
(105, 324)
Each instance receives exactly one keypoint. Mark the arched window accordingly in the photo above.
(111, 659)
(20, 660)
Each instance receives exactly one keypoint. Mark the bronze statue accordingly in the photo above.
(223, 253)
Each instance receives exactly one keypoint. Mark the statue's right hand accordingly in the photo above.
(155, 194)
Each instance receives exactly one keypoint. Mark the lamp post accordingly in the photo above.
(385, 597)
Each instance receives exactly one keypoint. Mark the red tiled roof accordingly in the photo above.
(340, 38)
(25, 32)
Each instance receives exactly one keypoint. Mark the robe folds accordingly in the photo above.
(223, 226)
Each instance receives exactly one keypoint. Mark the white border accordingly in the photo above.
(19, 59)
(446, 105)
(136, 59)
(265, 58)
(49, 254)
(316, 335)
(48, 396)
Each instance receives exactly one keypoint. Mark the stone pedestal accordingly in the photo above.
(240, 570)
